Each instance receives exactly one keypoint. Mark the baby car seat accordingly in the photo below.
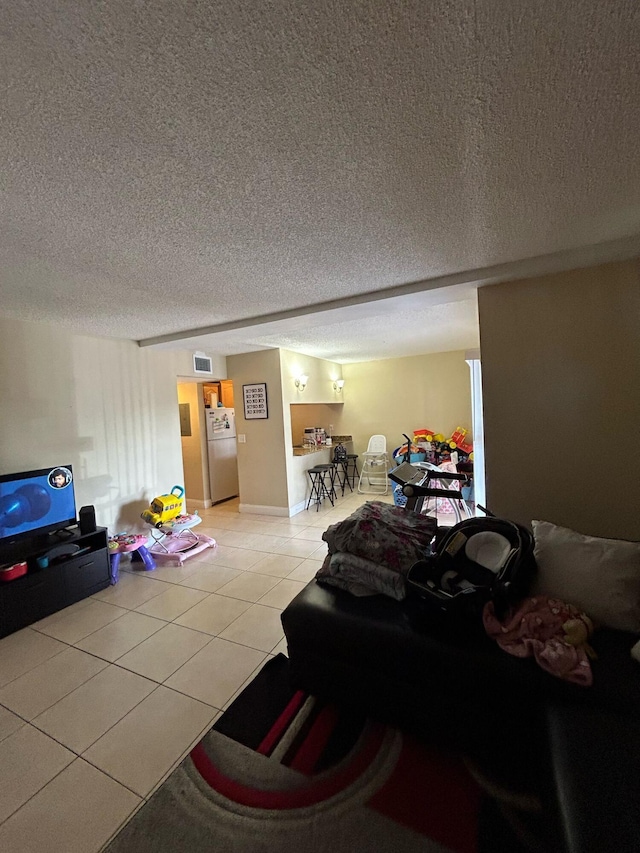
(474, 561)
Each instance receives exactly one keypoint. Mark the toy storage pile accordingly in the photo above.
(433, 447)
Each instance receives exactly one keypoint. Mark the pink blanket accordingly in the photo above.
(536, 629)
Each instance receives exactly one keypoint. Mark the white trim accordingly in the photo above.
(256, 509)
(199, 504)
(479, 475)
(294, 510)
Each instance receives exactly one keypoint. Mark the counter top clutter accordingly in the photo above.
(305, 449)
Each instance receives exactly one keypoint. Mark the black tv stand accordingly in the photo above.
(63, 533)
(46, 589)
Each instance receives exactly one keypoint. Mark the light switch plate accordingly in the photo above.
(242, 439)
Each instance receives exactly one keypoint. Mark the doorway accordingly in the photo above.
(210, 467)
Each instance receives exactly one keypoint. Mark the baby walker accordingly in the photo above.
(174, 540)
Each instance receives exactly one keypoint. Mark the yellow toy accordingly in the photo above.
(577, 633)
(165, 507)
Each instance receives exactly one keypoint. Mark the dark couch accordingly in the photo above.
(577, 748)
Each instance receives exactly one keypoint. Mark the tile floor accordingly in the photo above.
(99, 702)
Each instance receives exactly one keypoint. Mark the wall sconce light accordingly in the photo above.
(338, 385)
(301, 381)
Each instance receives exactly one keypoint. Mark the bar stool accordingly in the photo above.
(319, 488)
(352, 469)
(331, 468)
(340, 475)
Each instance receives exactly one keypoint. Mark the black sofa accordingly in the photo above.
(577, 748)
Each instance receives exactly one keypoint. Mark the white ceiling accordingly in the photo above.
(168, 167)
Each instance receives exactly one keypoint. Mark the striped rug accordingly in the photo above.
(283, 771)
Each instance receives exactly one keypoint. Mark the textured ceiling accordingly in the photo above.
(168, 166)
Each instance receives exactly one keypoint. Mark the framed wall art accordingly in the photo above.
(255, 401)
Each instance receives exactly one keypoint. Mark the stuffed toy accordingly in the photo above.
(577, 632)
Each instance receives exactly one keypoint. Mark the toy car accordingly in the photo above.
(165, 507)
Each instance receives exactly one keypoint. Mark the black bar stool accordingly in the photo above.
(341, 474)
(319, 487)
(331, 469)
(352, 469)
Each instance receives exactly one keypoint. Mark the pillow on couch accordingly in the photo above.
(600, 576)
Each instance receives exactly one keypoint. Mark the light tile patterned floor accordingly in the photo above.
(99, 702)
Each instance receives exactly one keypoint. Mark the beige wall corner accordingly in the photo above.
(560, 365)
(262, 470)
(397, 395)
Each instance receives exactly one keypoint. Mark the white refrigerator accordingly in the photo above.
(223, 454)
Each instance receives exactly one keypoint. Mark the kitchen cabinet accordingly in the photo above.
(226, 392)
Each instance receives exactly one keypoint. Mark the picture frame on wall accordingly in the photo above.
(254, 397)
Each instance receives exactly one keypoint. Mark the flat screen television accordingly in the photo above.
(36, 502)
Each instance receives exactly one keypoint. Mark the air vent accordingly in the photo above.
(201, 363)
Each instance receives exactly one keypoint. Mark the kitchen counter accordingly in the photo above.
(304, 458)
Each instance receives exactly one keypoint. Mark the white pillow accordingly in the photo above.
(600, 576)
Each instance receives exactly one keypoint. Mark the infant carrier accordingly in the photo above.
(472, 562)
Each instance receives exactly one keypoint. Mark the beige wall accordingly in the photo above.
(397, 395)
(561, 367)
(322, 374)
(106, 406)
(194, 446)
(389, 396)
(319, 395)
(262, 467)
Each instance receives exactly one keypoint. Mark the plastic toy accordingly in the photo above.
(164, 508)
(422, 434)
(183, 522)
(126, 542)
(458, 441)
(577, 632)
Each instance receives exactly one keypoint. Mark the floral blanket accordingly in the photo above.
(538, 628)
(373, 549)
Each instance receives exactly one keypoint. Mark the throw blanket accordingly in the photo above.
(540, 628)
(373, 549)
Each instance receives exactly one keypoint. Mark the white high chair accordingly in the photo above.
(375, 465)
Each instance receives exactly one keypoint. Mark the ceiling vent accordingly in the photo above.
(201, 363)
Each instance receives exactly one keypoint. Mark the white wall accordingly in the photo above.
(107, 406)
